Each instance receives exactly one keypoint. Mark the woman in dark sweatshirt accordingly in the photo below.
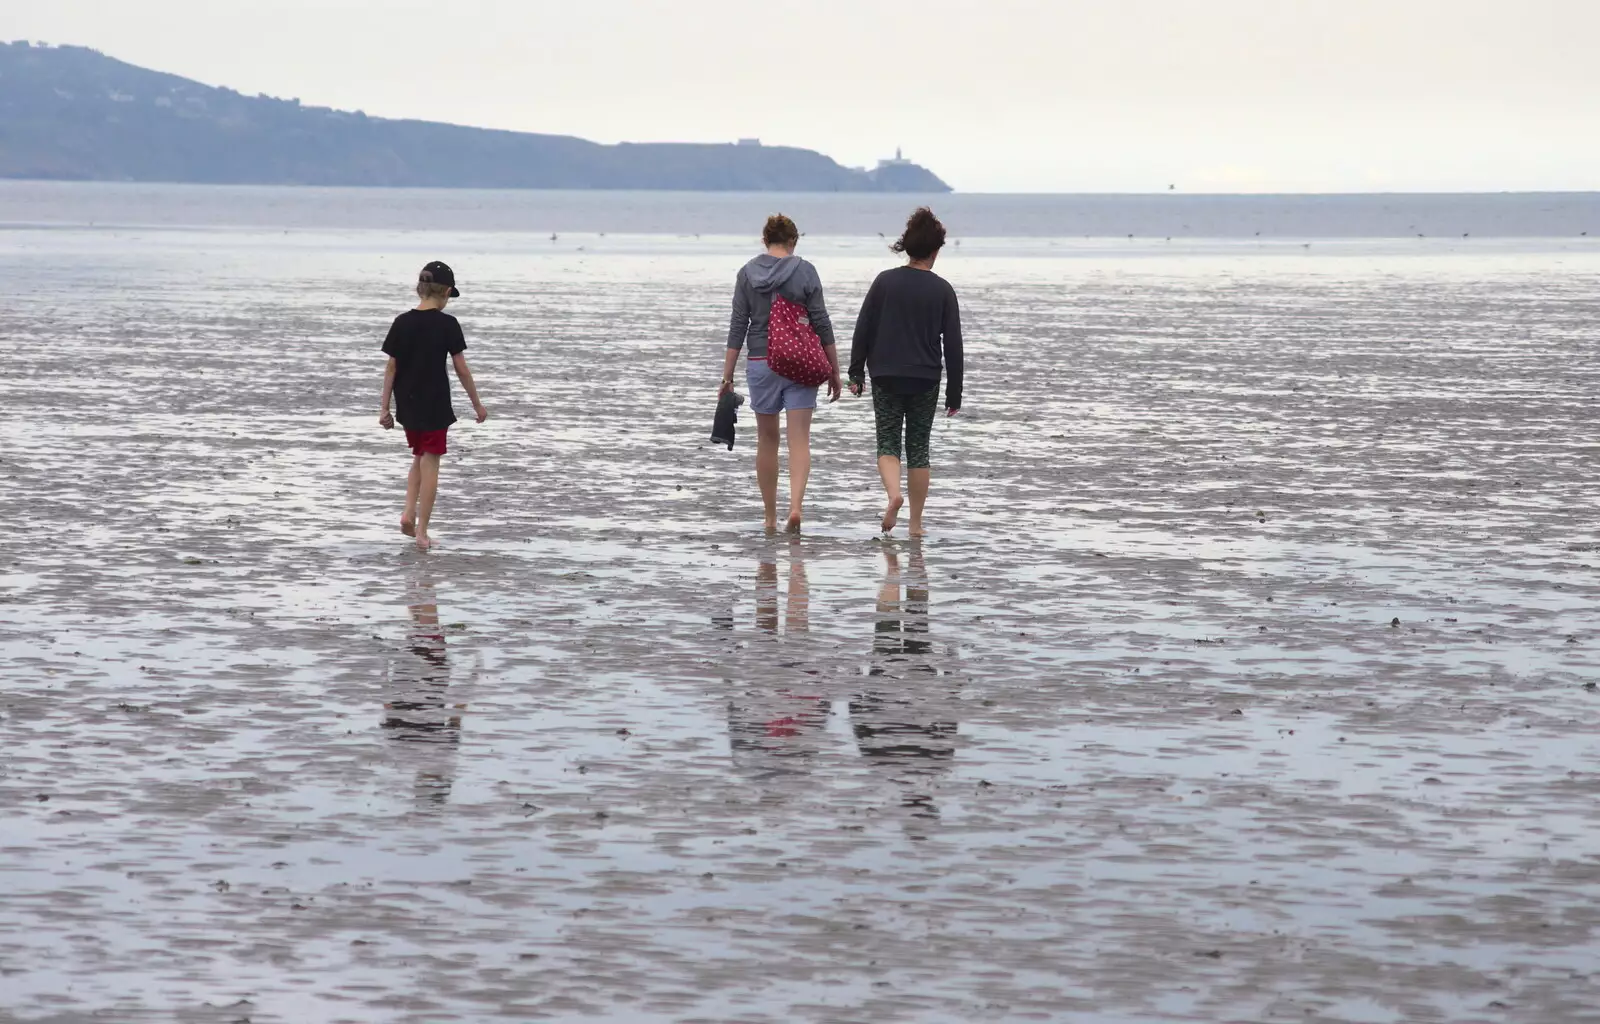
(776, 272)
(909, 332)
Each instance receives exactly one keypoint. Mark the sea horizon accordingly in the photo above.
(1103, 215)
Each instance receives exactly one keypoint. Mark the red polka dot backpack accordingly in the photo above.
(794, 351)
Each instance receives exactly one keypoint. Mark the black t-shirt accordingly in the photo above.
(421, 343)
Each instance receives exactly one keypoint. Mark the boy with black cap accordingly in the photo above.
(417, 346)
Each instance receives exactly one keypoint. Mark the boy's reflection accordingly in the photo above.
(777, 730)
(904, 721)
(416, 712)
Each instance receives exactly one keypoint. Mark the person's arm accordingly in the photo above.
(464, 374)
(385, 417)
(954, 354)
(865, 334)
(738, 329)
(835, 385)
(730, 362)
(822, 323)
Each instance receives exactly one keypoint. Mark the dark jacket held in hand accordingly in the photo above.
(723, 430)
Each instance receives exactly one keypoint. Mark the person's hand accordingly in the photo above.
(835, 389)
(727, 386)
(856, 387)
(483, 413)
(386, 421)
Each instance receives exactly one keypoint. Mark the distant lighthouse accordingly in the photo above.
(898, 161)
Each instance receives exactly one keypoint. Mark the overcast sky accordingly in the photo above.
(995, 95)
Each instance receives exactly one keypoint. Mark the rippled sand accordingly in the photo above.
(1248, 675)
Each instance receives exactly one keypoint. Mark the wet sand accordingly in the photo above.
(1247, 676)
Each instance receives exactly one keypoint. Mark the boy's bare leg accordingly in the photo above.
(767, 437)
(408, 518)
(889, 470)
(799, 465)
(428, 472)
(919, 480)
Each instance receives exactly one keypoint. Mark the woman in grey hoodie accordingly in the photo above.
(778, 271)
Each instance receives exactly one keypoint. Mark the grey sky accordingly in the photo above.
(996, 95)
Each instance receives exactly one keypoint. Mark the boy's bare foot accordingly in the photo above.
(793, 526)
(408, 526)
(424, 542)
(891, 515)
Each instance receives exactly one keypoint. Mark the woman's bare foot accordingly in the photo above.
(408, 526)
(891, 515)
(770, 526)
(918, 531)
(793, 525)
(424, 542)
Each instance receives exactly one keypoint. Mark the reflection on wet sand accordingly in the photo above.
(904, 719)
(416, 709)
(775, 729)
(797, 614)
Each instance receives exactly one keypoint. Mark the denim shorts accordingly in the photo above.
(771, 394)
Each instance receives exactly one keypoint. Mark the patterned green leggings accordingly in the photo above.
(912, 414)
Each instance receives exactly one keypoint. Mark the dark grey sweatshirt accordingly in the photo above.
(910, 329)
(760, 279)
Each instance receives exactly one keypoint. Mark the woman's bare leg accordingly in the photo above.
(889, 470)
(799, 617)
(767, 595)
(799, 465)
(919, 480)
(428, 490)
(889, 592)
(408, 518)
(767, 468)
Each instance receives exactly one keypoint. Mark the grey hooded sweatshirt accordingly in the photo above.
(760, 279)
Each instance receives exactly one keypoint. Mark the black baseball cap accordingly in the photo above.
(440, 273)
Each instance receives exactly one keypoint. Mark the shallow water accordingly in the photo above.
(1131, 738)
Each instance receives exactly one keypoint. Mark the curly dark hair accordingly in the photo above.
(780, 230)
(924, 236)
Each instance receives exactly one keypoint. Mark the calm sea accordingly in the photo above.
(1174, 215)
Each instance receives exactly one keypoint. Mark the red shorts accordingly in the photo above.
(427, 442)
